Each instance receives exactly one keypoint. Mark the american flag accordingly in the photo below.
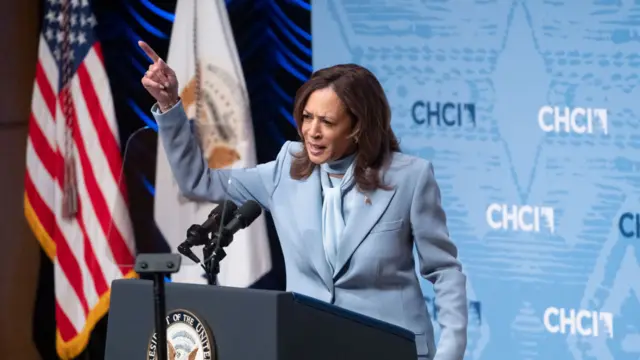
(75, 200)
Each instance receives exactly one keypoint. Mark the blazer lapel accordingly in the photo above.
(307, 213)
(361, 220)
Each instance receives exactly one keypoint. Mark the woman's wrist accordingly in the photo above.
(166, 106)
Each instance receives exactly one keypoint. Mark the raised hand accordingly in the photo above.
(160, 80)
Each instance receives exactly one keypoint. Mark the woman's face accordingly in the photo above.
(326, 127)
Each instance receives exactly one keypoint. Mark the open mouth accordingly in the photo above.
(315, 149)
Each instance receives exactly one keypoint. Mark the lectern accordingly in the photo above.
(224, 323)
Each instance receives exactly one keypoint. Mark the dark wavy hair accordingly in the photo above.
(367, 107)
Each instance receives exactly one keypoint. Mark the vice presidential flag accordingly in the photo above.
(203, 54)
(74, 200)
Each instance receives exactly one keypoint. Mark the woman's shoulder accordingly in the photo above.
(288, 149)
(293, 145)
(409, 173)
(403, 163)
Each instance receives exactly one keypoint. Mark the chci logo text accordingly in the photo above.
(445, 114)
(578, 322)
(573, 120)
(525, 218)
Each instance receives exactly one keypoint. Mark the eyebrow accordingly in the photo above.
(305, 111)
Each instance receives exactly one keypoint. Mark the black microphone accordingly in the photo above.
(245, 215)
(218, 217)
(197, 234)
(214, 252)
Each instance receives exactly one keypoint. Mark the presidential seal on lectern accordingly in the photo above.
(188, 338)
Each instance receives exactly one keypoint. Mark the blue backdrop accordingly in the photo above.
(529, 112)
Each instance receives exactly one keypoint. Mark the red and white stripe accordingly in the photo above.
(96, 247)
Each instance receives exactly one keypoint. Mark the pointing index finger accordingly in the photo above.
(149, 51)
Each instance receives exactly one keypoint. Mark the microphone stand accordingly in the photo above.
(159, 265)
(214, 253)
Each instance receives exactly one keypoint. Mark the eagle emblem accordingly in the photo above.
(188, 338)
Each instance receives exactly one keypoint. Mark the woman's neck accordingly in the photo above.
(337, 168)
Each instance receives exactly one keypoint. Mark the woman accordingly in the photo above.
(347, 205)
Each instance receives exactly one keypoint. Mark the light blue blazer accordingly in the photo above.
(375, 271)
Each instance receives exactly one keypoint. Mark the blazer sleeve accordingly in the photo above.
(439, 264)
(199, 182)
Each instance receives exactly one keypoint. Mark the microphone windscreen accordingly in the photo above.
(228, 209)
(220, 216)
(248, 212)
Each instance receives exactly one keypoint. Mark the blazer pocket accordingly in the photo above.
(422, 346)
(387, 226)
